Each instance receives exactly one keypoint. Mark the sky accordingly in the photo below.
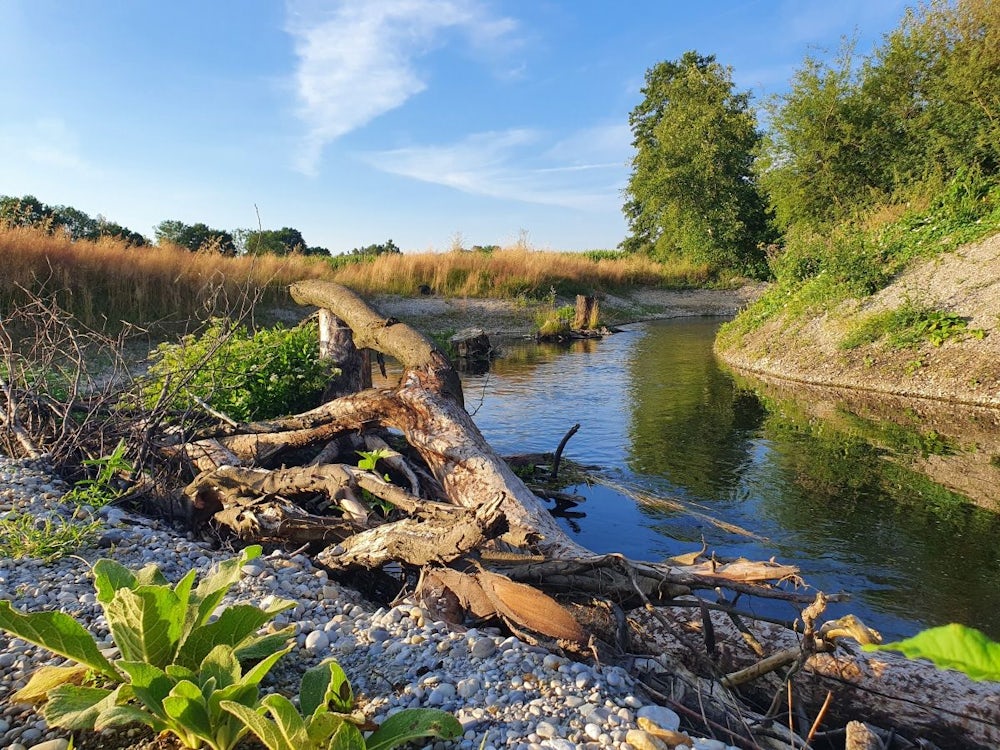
(428, 122)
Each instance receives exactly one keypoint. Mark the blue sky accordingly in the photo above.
(355, 121)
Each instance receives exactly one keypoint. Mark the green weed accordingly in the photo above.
(44, 539)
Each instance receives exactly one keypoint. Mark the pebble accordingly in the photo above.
(506, 693)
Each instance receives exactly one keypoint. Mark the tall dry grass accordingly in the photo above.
(513, 272)
(105, 282)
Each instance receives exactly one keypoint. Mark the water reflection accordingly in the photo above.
(835, 489)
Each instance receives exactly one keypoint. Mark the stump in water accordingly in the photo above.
(473, 350)
(587, 315)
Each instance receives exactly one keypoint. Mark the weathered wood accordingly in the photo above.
(337, 344)
(587, 314)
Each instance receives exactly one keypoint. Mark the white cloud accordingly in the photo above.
(356, 58)
(46, 142)
(584, 171)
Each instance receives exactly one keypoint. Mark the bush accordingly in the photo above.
(245, 375)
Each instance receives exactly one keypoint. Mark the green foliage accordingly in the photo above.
(328, 721)
(282, 241)
(908, 326)
(952, 646)
(197, 237)
(386, 248)
(692, 192)
(555, 322)
(177, 665)
(817, 270)
(914, 114)
(101, 490)
(28, 211)
(599, 255)
(244, 375)
(45, 539)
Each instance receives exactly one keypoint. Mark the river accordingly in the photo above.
(827, 487)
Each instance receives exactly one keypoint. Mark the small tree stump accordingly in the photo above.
(472, 344)
(587, 313)
(336, 342)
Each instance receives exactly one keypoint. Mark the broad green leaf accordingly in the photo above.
(272, 734)
(146, 623)
(257, 673)
(322, 726)
(220, 664)
(150, 575)
(109, 576)
(411, 724)
(258, 647)
(150, 684)
(346, 737)
(236, 624)
(952, 646)
(325, 685)
(128, 714)
(186, 708)
(45, 679)
(75, 707)
(213, 587)
(59, 633)
(288, 719)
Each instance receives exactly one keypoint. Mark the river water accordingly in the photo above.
(816, 483)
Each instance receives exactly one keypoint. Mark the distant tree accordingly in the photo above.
(77, 224)
(195, 237)
(387, 248)
(26, 211)
(273, 241)
(316, 250)
(692, 192)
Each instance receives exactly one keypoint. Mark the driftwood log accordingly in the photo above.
(478, 543)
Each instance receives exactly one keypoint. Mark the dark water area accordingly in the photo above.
(840, 493)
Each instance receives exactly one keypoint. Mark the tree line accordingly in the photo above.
(852, 133)
(28, 211)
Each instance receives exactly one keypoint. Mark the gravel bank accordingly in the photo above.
(506, 693)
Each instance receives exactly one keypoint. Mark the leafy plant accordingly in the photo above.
(177, 663)
(328, 721)
(952, 646)
(555, 322)
(908, 326)
(368, 461)
(100, 490)
(245, 375)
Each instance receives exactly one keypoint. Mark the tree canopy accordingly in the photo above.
(197, 237)
(692, 192)
(28, 211)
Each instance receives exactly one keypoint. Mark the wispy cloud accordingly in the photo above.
(583, 171)
(46, 142)
(356, 58)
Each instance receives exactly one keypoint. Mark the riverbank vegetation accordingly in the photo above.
(874, 163)
(107, 280)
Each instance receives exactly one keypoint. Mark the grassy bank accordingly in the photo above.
(107, 281)
(816, 273)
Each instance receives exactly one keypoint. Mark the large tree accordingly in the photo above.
(692, 192)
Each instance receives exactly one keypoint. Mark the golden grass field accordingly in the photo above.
(105, 282)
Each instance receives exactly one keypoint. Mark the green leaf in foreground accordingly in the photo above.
(59, 633)
(412, 724)
(952, 646)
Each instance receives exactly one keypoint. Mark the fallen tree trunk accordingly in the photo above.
(500, 523)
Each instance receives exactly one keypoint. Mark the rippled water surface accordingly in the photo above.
(841, 494)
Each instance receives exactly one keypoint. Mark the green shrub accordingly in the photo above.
(101, 490)
(245, 375)
(328, 721)
(908, 326)
(177, 664)
(555, 322)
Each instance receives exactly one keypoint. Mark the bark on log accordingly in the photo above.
(586, 314)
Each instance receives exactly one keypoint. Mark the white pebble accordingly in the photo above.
(664, 718)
